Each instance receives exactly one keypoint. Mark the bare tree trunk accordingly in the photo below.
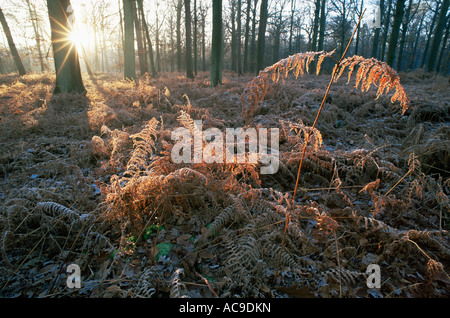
(128, 49)
(187, 14)
(359, 28)
(203, 42)
(376, 36)
(120, 49)
(322, 25)
(216, 45)
(233, 36)
(143, 65)
(195, 38)
(253, 42)
(150, 47)
(291, 26)
(247, 35)
(67, 65)
(157, 43)
(398, 16)
(315, 25)
(443, 46)
(238, 38)
(405, 23)
(437, 36)
(172, 45)
(413, 60)
(427, 45)
(12, 46)
(261, 36)
(179, 7)
(385, 32)
(34, 22)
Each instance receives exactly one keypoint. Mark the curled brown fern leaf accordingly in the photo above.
(373, 72)
(144, 147)
(370, 72)
(258, 88)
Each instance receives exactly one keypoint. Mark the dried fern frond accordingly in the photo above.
(177, 288)
(184, 176)
(258, 88)
(57, 210)
(373, 72)
(224, 217)
(370, 222)
(348, 277)
(196, 132)
(144, 147)
(243, 253)
(371, 186)
(299, 130)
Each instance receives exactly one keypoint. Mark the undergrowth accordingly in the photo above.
(89, 180)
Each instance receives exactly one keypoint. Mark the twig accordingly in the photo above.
(410, 170)
(207, 283)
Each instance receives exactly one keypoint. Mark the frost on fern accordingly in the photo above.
(373, 72)
(144, 148)
(257, 89)
(370, 72)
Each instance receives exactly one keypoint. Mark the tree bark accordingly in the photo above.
(203, 40)
(398, 16)
(195, 38)
(385, 31)
(413, 59)
(67, 65)
(429, 37)
(233, 37)
(261, 36)
(216, 45)
(12, 46)
(247, 35)
(322, 25)
(172, 45)
(179, 7)
(187, 14)
(157, 46)
(238, 38)
(443, 46)
(437, 36)
(143, 65)
(34, 22)
(315, 26)
(147, 35)
(253, 41)
(403, 36)
(128, 49)
(376, 35)
(359, 28)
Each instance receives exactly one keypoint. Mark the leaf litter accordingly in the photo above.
(89, 180)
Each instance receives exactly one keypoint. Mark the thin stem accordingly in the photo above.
(332, 79)
(409, 171)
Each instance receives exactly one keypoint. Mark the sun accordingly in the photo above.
(78, 37)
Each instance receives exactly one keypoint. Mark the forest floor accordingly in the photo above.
(88, 180)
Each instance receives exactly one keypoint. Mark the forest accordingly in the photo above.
(224, 149)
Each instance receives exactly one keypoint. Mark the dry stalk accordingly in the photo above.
(332, 79)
